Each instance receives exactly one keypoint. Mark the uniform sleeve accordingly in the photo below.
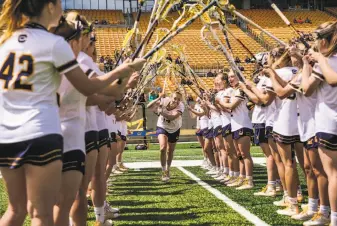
(269, 85)
(63, 57)
(181, 108)
(88, 71)
(296, 83)
(239, 94)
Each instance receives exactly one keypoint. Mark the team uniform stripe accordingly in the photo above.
(67, 67)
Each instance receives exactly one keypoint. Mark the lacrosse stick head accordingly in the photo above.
(222, 4)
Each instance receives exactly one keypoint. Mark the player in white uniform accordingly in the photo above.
(201, 125)
(267, 97)
(221, 155)
(242, 131)
(322, 77)
(169, 123)
(32, 96)
(285, 129)
(259, 123)
(223, 84)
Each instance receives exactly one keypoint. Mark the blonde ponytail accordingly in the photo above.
(11, 18)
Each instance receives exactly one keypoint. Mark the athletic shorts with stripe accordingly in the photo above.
(91, 141)
(39, 152)
(327, 140)
(74, 160)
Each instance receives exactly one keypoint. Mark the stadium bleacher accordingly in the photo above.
(199, 55)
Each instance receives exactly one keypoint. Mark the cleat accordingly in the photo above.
(267, 191)
(305, 215)
(165, 177)
(230, 181)
(289, 211)
(123, 168)
(217, 175)
(283, 202)
(106, 223)
(237, 183)
(317, 219)
(246, 185)
(227, 178)
(212, 171)
(221, 177)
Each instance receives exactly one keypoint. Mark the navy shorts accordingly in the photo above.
(260, 134)
(91, 141)
(227, 130)
(269, 132)
(123, 138)
(326, 140)
(242, 133)
(199, 133)
(286, 139)
(217, 131)
(311, 143)
(172, 137)
(113, 137)
(74, 160)
(209, 134)
(39, 152)
(103, 137)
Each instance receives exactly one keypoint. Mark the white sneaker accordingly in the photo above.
(221, 177)
(283, 202)
(165, 177)
(305, 215)
(236, 183)
(317, 219)
(289, 211)
(108, 208)
(106, 223)
(212, 171)
(267, 191)
(246, 185)
(116, 171)
(217, 175)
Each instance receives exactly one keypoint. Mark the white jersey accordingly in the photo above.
(30, 77)
(198, 109)
(215, 114)
(271, 108)
(259, 112)
(124, 128)
(306, 108)
(226, 116)
(72, 115)
(286, 110)
(326, 108)
(170, 126)
(111, 121)
(100, 116)
(240, 118)
(202, 122)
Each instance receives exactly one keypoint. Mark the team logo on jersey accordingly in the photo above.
(22, 38)
(294, 71)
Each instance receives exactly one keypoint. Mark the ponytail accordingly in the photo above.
(11, 18)
(15, 13)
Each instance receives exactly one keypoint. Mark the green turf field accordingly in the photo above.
(182, 152)
(145, 200)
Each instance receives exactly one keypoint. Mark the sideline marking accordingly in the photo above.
(239, 209)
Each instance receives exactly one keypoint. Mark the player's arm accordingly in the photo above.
(281, 88)
(329, 74)
(152, 103)
(176, 114)
(194, 112)
(251, 95)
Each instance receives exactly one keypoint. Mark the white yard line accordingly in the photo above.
(177, 163)
(239, 209)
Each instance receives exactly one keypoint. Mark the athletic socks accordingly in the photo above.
(285, 193)
(236, 174)
(313, 205)
(231, 174)
(293, 201)
(299, 189)
(163, 168)
(325, 210)
(226, 170)
(333, 218)
(99, 213)
(272, 184)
